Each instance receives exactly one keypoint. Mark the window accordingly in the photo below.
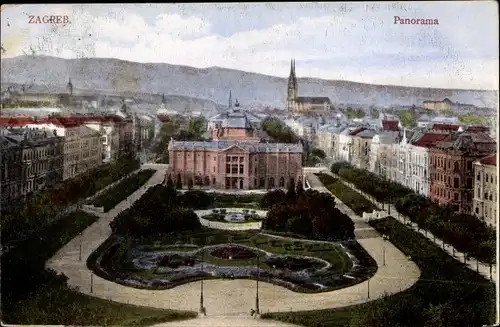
(241, 169)
(491, 196)
(456, 182)
(478, 176)
(214, 169)
(486, 195)
(455, 196)
(455, 166)
(282, 182)
(477, 210)
(486, 178)
(478, 193)
(228, 168)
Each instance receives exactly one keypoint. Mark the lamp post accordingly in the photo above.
(202, 307)
(385, 237)
(368, 289)
(257, 309)
(80, 254)
(91, 283)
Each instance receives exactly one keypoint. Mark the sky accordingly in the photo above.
(342, 41)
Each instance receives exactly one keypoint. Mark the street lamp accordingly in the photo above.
(80, 254)
(368, 289)
(385, 237)
(202, 307)
(257, 309)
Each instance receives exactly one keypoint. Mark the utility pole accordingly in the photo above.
(257, 309)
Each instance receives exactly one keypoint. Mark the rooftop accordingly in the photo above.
(490, 160)
(226, 144)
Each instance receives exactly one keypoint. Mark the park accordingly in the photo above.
(152, 249)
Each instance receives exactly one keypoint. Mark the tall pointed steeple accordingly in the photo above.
(69, 87)
(230, 100)
(163, 99)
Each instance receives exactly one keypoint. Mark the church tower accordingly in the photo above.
(69, 88)
(230, 104)
(292, 91)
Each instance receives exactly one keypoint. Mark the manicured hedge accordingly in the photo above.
(348, 196)
(465, 232)
(447, 295)
(122, 190)
(33, 295)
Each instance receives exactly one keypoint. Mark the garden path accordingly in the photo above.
(228, 297)
(471, 263)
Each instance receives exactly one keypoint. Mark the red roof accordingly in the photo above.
(490, 160)
(474, 129)
(429, 140)
(445, 127)
(357, 131)
(15, 121)
(390, 125)
(163, 118)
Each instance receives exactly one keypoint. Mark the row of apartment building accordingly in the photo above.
(38, 153)
(451, 164)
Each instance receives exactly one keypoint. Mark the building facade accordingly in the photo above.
(451, 168)
(485, 199)
(444, 105)
(34, 161)
(361, 148)
(235, 158)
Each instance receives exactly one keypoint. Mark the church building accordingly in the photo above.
(298, 105)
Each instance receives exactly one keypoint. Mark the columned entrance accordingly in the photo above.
(234, 183)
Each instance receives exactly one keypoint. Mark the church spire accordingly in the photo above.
(230, 100)
(69, 87)
(163, 98)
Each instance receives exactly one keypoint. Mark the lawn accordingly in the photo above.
(465, 297)
(113, 260)
(32, 295)
(122, 190)
(348, 196)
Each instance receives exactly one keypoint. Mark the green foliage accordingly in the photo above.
(351, 113)
(465, 232)
(348, 196)
(32, 295)
(471, 119)
(408, 119)
(159, 210)
(374, 113)
(197, 126)
(122, 190)
(313, 214)
(318, 153)
(447, 294)
(44, 207)
(276, 129)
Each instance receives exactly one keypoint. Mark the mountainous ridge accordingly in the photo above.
(213, 83)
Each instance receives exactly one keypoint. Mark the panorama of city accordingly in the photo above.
(278, 164)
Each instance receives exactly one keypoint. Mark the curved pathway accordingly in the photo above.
(228, 297)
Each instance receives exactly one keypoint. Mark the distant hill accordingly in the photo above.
(114, 76)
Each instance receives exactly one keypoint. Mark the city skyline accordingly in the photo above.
(355, 42)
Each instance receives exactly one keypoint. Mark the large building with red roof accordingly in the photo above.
(485, 197)
(451, 168)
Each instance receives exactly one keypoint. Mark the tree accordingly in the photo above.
(178, 182)
(190, 183)
(299, 189)
(197, 126)
(408, 119)
(374, 113)
(170, 182)
(318, 153)
(291, 194)
(276, 129)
